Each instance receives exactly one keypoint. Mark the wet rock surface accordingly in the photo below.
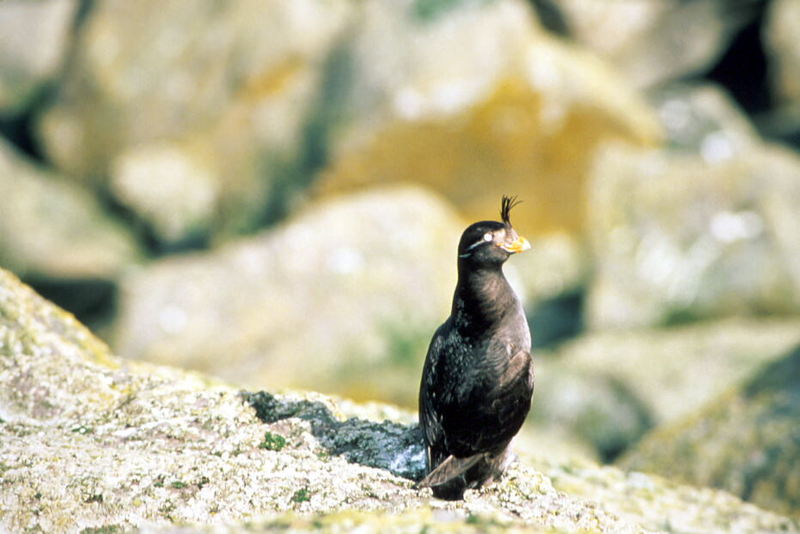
(94, 442)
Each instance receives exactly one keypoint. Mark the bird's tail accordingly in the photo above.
(449, 469)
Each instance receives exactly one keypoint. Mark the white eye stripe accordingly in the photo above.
(476, 244)
(487, 237)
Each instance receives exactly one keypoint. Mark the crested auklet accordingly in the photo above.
(477, 381)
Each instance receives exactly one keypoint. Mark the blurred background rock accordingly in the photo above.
(273, 191)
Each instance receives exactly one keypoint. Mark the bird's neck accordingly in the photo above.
(482, 298)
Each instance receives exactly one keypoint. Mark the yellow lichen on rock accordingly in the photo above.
(530, 126)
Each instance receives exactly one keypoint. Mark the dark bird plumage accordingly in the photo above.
(477, 381)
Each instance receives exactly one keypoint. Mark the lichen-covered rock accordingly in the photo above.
(358, 282)
(654, 42)
(678, 236)
(222, 89)
(88, 441)
(33, 41)
(609, 388)
(747, 441)
(52, 228)
(474, 99)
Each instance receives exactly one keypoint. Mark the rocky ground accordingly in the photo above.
(196, 183)
(98, 444)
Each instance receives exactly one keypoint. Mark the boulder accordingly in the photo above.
(702, 118)
(597, 410)
(552, 281)
(475, 99)
(52, 228)
(608, 389)
(746, 441)
(358, 282)
(655, 42)
(557, 265)
(206, 102)
(677, 236)
(471, 98)
(93, 443)
(782, 40)
(34, 38)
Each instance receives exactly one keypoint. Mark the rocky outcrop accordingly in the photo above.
(93, 442)
(747, 441)
(53, 228)
(353, 287)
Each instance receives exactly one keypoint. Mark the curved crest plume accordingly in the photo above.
(505, 208)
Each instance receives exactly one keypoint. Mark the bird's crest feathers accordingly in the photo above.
(505, 208)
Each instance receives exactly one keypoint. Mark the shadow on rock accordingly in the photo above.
(392, 446)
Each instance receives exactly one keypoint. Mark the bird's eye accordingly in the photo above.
(488, 236)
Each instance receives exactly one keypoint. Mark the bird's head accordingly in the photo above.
(492, 242)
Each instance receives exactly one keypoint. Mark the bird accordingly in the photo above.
(477, 381)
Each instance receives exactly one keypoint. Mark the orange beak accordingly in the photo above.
(519, 245)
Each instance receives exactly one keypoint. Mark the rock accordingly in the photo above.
(783, 49)
(677, 236)
(207, 101)
(677, 370)
(475, 100)
(89, 441)
(51, 228)
(557, 265)
(654, 42)
(357, 282)
(171, 187)
(606, 420)
(33, 41)
(607, 389)
(703, 119)
(385, 91)
(747, 441)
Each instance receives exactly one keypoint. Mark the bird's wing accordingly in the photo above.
(519, 370)
(430, 419)
(488, 425)
(449, 469)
